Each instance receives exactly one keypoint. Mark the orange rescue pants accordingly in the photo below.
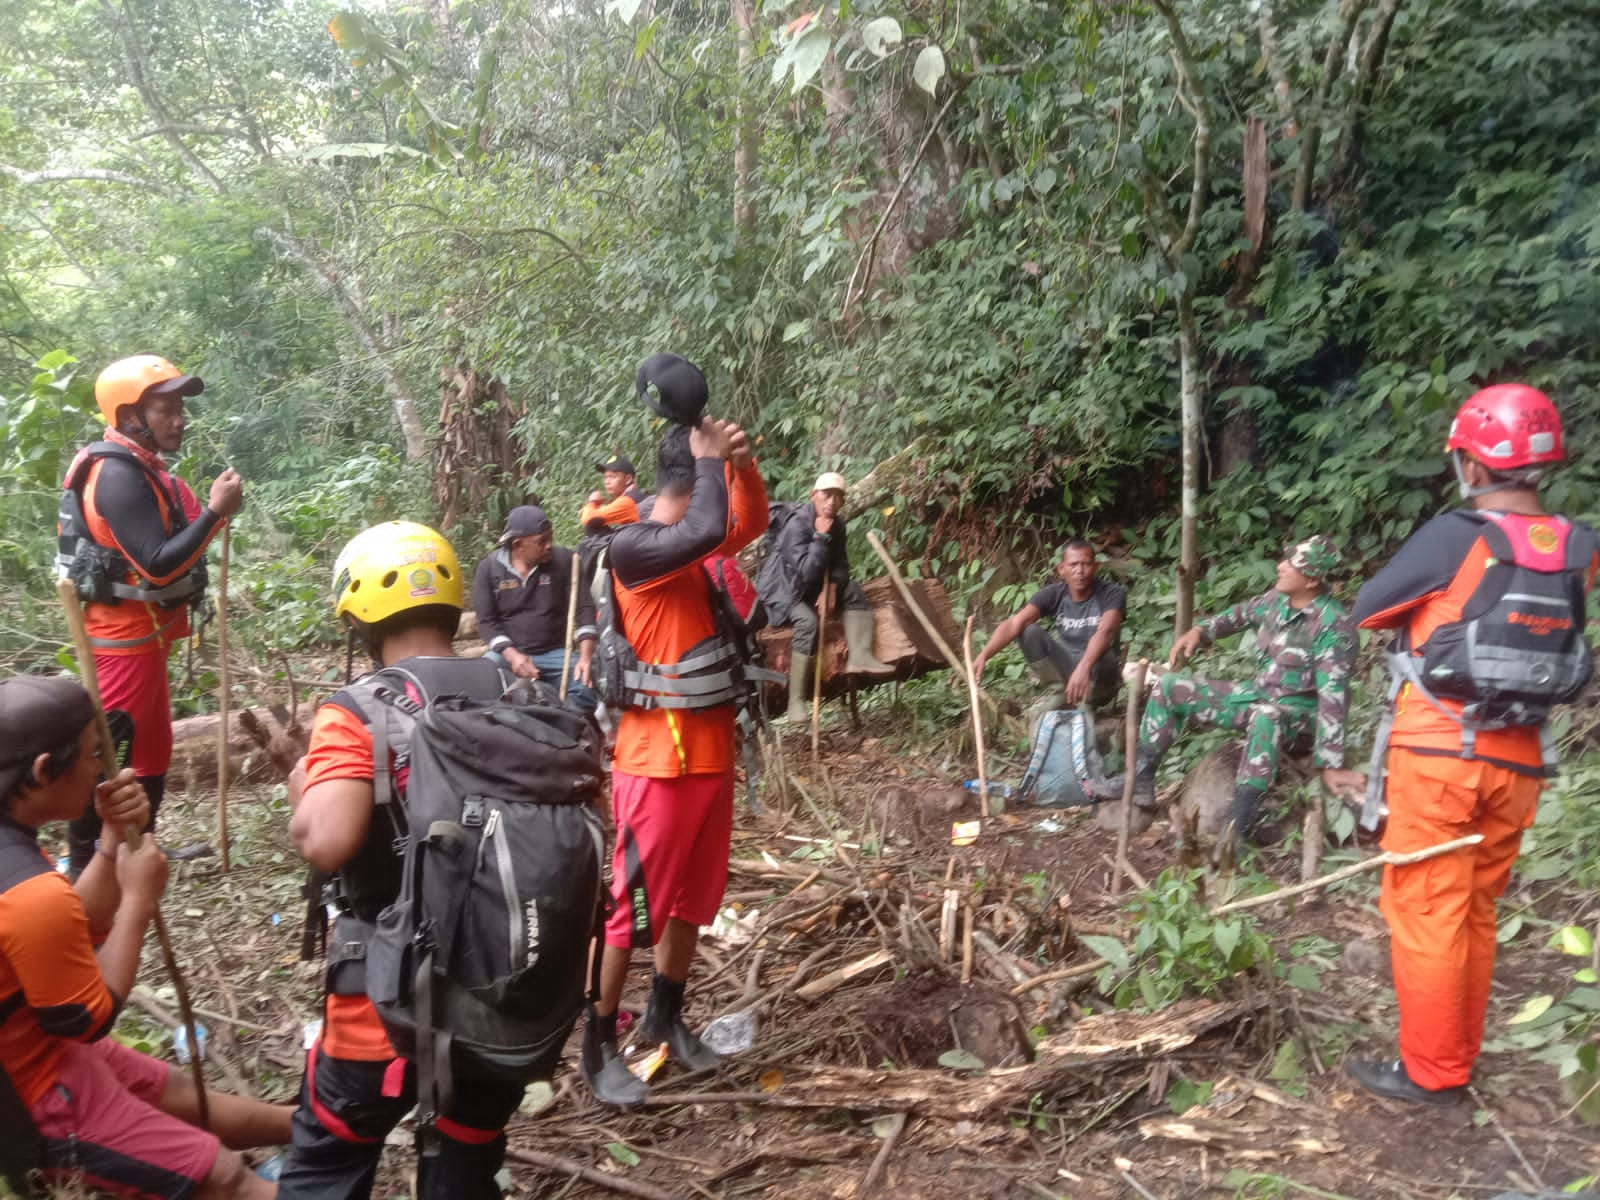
(1441, 912)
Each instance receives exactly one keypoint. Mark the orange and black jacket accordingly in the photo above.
(133, 506)
(51, 989)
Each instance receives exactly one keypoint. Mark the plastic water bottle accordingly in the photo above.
(1003, 790)
(731, 1033)
(180, 1043)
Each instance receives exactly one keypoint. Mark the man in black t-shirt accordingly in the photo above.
(1082, 650)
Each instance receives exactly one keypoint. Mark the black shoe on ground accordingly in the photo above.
(602, 1067)
(1389, 1080)
(663, 1022)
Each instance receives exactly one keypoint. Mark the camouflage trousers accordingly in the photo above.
(1268, 725)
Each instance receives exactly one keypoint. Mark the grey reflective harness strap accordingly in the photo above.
(126, 643)
(181, 590)
(1375, 807)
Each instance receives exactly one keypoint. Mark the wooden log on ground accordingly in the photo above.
(194, 748)
(898, 638)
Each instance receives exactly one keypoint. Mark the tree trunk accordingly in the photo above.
(747, 135)
(1191, 387)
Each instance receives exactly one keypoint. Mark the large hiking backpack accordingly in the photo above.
(1518, 649)
(1064, 761)
(478, 965)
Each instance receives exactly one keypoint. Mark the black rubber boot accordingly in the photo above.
(1390, 1080)
(663, 1022)
(1245, 823)
(603, 1070)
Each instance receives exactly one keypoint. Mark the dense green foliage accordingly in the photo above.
(960, 237)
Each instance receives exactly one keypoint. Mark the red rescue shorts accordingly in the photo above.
(671, 857)
(137, 684)
(100, 1118)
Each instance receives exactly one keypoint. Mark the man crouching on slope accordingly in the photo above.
(672, 781)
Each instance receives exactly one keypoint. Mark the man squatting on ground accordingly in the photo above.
(673, 775)
(1082, 651)
(1446, 779)
(521, 593)
(398, 587)
(807, 554)
(140, 547)
(1305, 646)
(72, 1099)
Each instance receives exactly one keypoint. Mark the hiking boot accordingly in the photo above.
(1389, 1080)
(603, 1070)
(800, 687)
(859, 625)
(1144, 782)
(663, 1022)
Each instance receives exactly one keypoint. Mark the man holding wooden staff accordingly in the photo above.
(133, 538)
(1488, 605)
(523, 596)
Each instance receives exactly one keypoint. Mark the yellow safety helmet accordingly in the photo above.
(126, 381)
(393, 568)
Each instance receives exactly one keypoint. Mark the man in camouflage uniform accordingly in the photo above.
(1305, 645)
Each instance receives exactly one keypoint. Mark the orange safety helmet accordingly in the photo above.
(125, 383)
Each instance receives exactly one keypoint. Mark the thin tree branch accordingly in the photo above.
(1332, 65)
(222, 131)
(1350, 136)
(70, 174)
(1200, 108)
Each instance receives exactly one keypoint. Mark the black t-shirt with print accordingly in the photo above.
(1073, 622)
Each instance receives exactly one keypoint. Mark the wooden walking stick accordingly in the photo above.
(224, 695)
(1130, 742)
(132, 835)
(977, 716)
(572, 628)
(821, 661)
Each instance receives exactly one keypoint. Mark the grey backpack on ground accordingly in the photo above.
(1064, 760)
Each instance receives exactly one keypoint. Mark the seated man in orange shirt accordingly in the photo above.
(398, 586)
(673, 777)
(72, 1100)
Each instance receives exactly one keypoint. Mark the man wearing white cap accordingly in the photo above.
(806, 554)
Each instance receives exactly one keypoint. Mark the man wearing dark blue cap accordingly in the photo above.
(521, 594)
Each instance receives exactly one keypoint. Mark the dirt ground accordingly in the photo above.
(913, 1037)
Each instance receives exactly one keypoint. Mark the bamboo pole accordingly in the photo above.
(1130, 742)
(1388, 858)
(224, 697)
(819, 661)
(977, 715)
(133, 836)
(572, 628)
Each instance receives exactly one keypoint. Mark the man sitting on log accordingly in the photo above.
(805, 553)
(1082, 651)
(1305, 645)
(521, 594)
(73, 1100)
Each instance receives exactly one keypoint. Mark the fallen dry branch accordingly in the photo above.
(566, 1166)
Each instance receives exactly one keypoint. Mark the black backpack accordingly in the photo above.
(478, 965)
(1518, 649)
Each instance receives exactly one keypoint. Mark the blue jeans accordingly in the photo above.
(579, 698)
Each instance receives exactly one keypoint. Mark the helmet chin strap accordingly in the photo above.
(141, 431)
(1529, 480)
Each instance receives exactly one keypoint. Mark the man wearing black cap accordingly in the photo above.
(619, 503)
(133, 538)
(521, 595)
(72, 1100)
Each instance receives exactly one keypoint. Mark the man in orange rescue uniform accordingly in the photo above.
(672, 780)
(133, 538)
(1488, 602)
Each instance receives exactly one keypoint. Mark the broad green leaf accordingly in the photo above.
(882, 35)
(1226, 935)
(622, 1154)
(348, 30)
(929, 69)
(961, 1060)
(1575, 940)
(1535, 1008)
(810, 48)
(1044, 179)
(796, 329)
(1108, 948)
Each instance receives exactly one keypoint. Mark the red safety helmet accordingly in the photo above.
(1507, 427)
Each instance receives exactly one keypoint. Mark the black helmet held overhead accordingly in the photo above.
(672, 387)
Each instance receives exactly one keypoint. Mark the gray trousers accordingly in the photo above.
(1039, 644)
(803, 617)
